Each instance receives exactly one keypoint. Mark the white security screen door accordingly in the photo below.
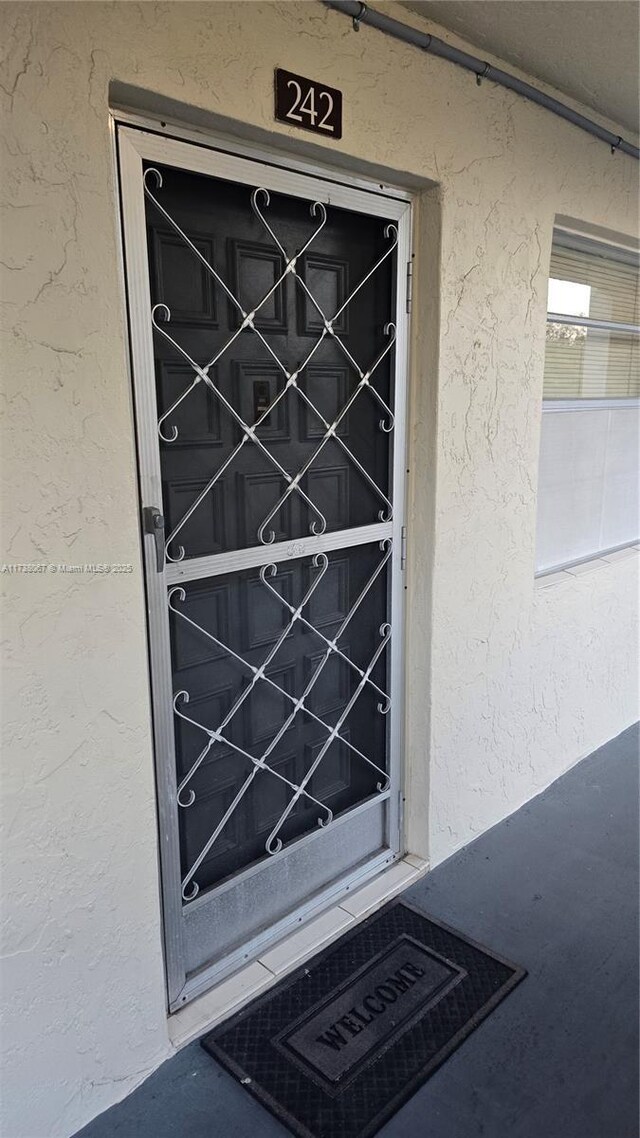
(267, 312)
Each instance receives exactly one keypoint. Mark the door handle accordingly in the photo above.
(153, 523)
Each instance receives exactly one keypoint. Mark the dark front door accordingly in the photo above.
(274, 376)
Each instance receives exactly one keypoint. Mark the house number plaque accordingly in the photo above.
(308, 104)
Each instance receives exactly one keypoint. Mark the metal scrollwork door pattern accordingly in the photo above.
(264, 312)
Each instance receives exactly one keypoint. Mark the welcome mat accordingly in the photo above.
(336, 1048)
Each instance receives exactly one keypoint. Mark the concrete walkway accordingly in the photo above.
(555, 888)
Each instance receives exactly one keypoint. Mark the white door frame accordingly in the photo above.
(135, 144)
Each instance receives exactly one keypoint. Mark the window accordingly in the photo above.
(588, 498)
(593, 325)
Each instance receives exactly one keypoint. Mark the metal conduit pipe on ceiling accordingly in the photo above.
(362, 14)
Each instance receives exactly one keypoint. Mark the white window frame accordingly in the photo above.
(580, 242)
(571, 239)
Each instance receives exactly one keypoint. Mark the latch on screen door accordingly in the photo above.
(153, 523)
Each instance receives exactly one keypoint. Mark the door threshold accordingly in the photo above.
(278, 960)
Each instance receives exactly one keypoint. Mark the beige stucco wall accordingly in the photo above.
(508, 686)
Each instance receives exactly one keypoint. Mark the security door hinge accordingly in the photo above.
(409, 285)
(403, 548)
(153, 523)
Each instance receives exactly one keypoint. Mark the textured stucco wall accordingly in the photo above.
(507, 686)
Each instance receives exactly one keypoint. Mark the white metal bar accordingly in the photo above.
(595, 556)
(397, 576)
(588, 322)
(612, 247)
(625, 402)
(196, 568)
(233, 167)
(223, 143)
(138, 293)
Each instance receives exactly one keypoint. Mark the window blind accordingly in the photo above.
(594, 360)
